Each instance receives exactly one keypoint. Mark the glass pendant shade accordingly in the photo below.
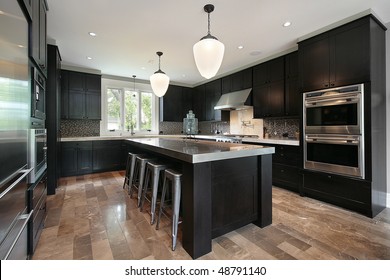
(159, 82)
(208, 54)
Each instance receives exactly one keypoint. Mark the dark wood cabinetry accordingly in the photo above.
(292, 96)
(36, 197)
(351, 54)
(107, 155)
(286, 166)
(53, 96)
(38, 47)
(84, 157)
(336, 58)
(76, 158)
(237, 81)
(205, 98)
(81, 95)
(268, 89)
(175, 104)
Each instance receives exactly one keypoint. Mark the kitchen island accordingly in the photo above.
(224, 186)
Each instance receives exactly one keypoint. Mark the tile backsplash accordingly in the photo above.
(277, 127)
(204, 127)
(80, 128)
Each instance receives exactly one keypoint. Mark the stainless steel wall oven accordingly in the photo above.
(333, 130)
(37, 153)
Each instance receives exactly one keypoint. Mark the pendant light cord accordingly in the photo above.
(208, 15)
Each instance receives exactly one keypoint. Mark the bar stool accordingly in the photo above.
(138, 176)
(130, 165)
(175, 180)
(152, 179)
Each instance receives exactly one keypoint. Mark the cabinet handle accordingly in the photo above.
(42, 66)
(326, 85)
(332, 85)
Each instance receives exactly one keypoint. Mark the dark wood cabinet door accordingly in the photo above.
(93, 105)
(260, 74)
(84, 157)
(38, 41)
(260, 101)
(198, 101)
(276, 99)
(64, 94)
(93, 82)
(68, 159)
(186, 103)
(107, 155)
(170, 109)
(275, 69)
(226, 84)
(212, 95)
(349, 58)
(76, 81)
(314, 63)
(293, 98)
(76, 108)
(291, 65)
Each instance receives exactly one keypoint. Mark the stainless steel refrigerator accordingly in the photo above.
(15, 95)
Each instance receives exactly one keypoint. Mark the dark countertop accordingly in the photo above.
(195, 151)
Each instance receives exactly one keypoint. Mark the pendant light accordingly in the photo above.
(159, 80)
(208, 52)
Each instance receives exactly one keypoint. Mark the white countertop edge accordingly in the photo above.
(290, 142)
(232, 154)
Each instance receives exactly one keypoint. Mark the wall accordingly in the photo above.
(388, 109)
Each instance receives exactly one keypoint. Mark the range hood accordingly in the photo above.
(233, 100)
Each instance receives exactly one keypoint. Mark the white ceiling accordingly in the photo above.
(129, 33)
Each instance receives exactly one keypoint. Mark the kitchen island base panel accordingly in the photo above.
(224, 187)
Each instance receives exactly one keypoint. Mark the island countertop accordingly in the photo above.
(195, 151)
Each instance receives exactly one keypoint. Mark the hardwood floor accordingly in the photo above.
(92, 217)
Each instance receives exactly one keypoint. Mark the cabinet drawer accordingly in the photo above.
(342, 191)
(37, 223)
(286, 176)
(286, 155)
(36, 191)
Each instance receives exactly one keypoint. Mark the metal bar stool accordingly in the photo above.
(139, 175)
(130, 166)
(152, 179)
(175, 179)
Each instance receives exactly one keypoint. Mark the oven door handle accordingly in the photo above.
(25, 173)
(333, 140)
(331, 102)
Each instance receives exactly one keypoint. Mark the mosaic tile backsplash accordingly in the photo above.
(277, 127)
(80, 128)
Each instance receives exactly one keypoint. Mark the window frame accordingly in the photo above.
(128, 85)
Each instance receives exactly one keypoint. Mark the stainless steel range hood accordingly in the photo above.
(233, 100)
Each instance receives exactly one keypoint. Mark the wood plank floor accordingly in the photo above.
(92, 217)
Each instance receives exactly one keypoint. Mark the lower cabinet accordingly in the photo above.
(76, 158)
(107, 155)
(347, 192)
(84, 157)
(36, 200)
(286, 172)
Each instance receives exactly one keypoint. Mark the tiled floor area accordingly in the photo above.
(92, 217)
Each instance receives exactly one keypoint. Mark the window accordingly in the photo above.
(126, 111)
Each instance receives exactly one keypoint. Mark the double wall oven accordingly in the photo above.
(333, 122)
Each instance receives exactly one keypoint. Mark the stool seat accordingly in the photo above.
(152, 178)
(173, 178)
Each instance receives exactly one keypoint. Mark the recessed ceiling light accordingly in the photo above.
(93, 34)
(20, 46)
(1, 13)
(89, 58)
(143, 68)
(287, 24)
(240, 47)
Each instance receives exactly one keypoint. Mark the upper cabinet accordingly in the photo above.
(38, 45)
(292, 96)
(81, 95)
(336, 58)
(175, 104)
(237, 81)
(268, 89)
